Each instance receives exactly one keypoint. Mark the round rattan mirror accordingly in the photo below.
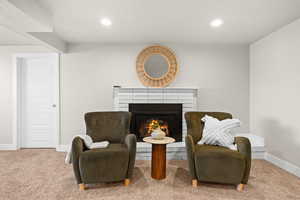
(156, 66)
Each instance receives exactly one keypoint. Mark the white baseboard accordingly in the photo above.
(260, 155)
(283, 164)
(8, 147)
(62, 148)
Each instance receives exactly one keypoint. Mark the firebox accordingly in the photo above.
(168, 117)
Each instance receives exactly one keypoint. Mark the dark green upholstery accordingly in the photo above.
(110, 126)
(114, 163)
(214, 163)
(104, 165)
(244, 147)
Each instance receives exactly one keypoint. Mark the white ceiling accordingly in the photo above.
(141, 21)
(9, 37)
(173, 21)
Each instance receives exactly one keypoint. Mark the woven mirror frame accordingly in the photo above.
(164, 80)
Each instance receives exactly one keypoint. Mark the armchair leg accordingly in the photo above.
(194, 182)
(126, 181)
(240, 187)
(81, 186)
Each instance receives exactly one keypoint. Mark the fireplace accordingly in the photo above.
(167, 116)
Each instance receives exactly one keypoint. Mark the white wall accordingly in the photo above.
(88, 73)
(6, 88)
(275, 92)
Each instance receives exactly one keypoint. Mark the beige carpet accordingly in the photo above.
(41, 174)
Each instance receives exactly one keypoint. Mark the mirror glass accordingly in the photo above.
(156, 66)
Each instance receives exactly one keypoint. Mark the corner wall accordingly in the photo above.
(275, 92)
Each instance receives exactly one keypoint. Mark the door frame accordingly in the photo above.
(16, 95)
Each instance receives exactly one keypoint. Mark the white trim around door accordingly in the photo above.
(16, 125)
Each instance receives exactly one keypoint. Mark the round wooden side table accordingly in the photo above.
(158, 161)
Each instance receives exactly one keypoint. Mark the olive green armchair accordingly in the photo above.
(216, 164)
(114, 163)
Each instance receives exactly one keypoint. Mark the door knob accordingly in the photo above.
(54, 105)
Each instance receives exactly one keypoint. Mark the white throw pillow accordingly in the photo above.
(218, 132)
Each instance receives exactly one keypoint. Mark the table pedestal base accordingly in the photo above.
(158, 162)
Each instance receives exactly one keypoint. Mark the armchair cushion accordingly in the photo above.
(219, 164)
(107, 126)
(104, 165)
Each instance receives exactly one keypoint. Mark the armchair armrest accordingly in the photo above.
(130, 142)
(190, 149)
(77, 149)
(244, 147)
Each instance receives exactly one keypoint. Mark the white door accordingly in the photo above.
(38, 101)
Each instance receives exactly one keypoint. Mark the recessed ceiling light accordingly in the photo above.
(106, 22)
(216, 23)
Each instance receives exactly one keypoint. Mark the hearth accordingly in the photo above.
(168, 116)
